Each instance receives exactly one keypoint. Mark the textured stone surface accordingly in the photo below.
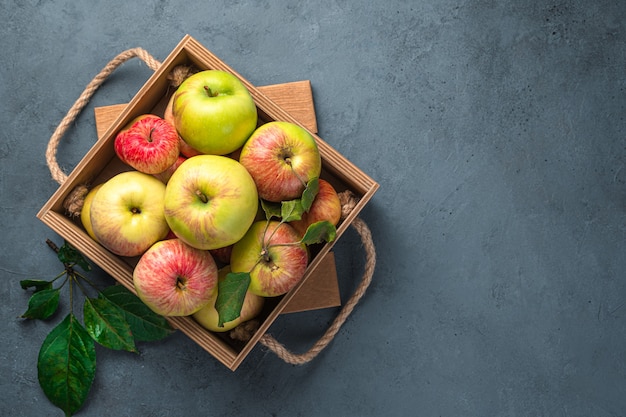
(496, 130)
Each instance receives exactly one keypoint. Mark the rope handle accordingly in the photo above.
(75, 199)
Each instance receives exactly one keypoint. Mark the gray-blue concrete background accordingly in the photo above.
(496, 130)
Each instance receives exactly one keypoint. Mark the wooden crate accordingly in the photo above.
(100, 163)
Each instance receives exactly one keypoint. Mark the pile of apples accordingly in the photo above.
(210, 196)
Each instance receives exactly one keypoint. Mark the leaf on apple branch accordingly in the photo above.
(116, 319)
(231, 292)
(319, 232)
(272, 210)
(309, 193)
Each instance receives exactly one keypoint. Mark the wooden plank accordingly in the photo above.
(295, 97)
(321, 290)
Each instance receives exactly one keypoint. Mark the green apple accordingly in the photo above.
(85, 212)
(282, 158)
(214, 112)
(271, 253)
(208, 316)
(210, 201)
(127, 213)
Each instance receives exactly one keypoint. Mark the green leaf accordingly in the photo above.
(42, 304)
(319, 232)
(37, 284)
(270, 209)
(107, 325)
(309, 193)
(67, 365)
(231, 292)
(145, 324)
(68, 255)
(291, 210)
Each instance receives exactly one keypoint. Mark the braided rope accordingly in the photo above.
(57, 173)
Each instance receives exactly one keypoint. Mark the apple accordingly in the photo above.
(165, 176)
(214, 112)
(210, 201)
(326, 206)
(270, 251)
(282, 157)
(222, 254)
(185, 149)
(85, 212)
(174, 279)
(127, 213)
(208, 317)
(149, 144)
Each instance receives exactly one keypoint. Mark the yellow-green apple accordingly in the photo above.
(148, 144)
(85, 211)
(174, 279)
(127, 213)
(214, 112)
(208, 316)
(185, 149)
(273, 255)
(282, 158)
(164, 176)
(210, 201)
(325, 206)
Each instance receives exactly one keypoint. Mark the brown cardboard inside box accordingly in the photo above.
(100, 163)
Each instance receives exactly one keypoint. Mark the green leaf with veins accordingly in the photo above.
(319, 232)
(68, 255)
(271, 209)
(145, 324)
(309, 193)
(66, 365)
(106, 324)
(36, 284)
(231, 292)
(291, 210)
(42, 304)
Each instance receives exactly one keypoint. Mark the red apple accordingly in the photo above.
(174, 279)
(208, 316)
(148, 143)
(282, 158)
(325, 206)
(272, 254)
(165, 176)
(222, 254)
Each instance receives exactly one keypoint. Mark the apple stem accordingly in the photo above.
(135, 210)
(180, 283)
(265, 255)
(202, 196)
(209, 92)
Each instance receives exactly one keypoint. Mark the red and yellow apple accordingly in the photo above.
(127, 213)
(148, 144)
(214, 112)
(210, 201)
(326, 206)
(208, 316)
(282, 158)
(271, 253)
(174, 279)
